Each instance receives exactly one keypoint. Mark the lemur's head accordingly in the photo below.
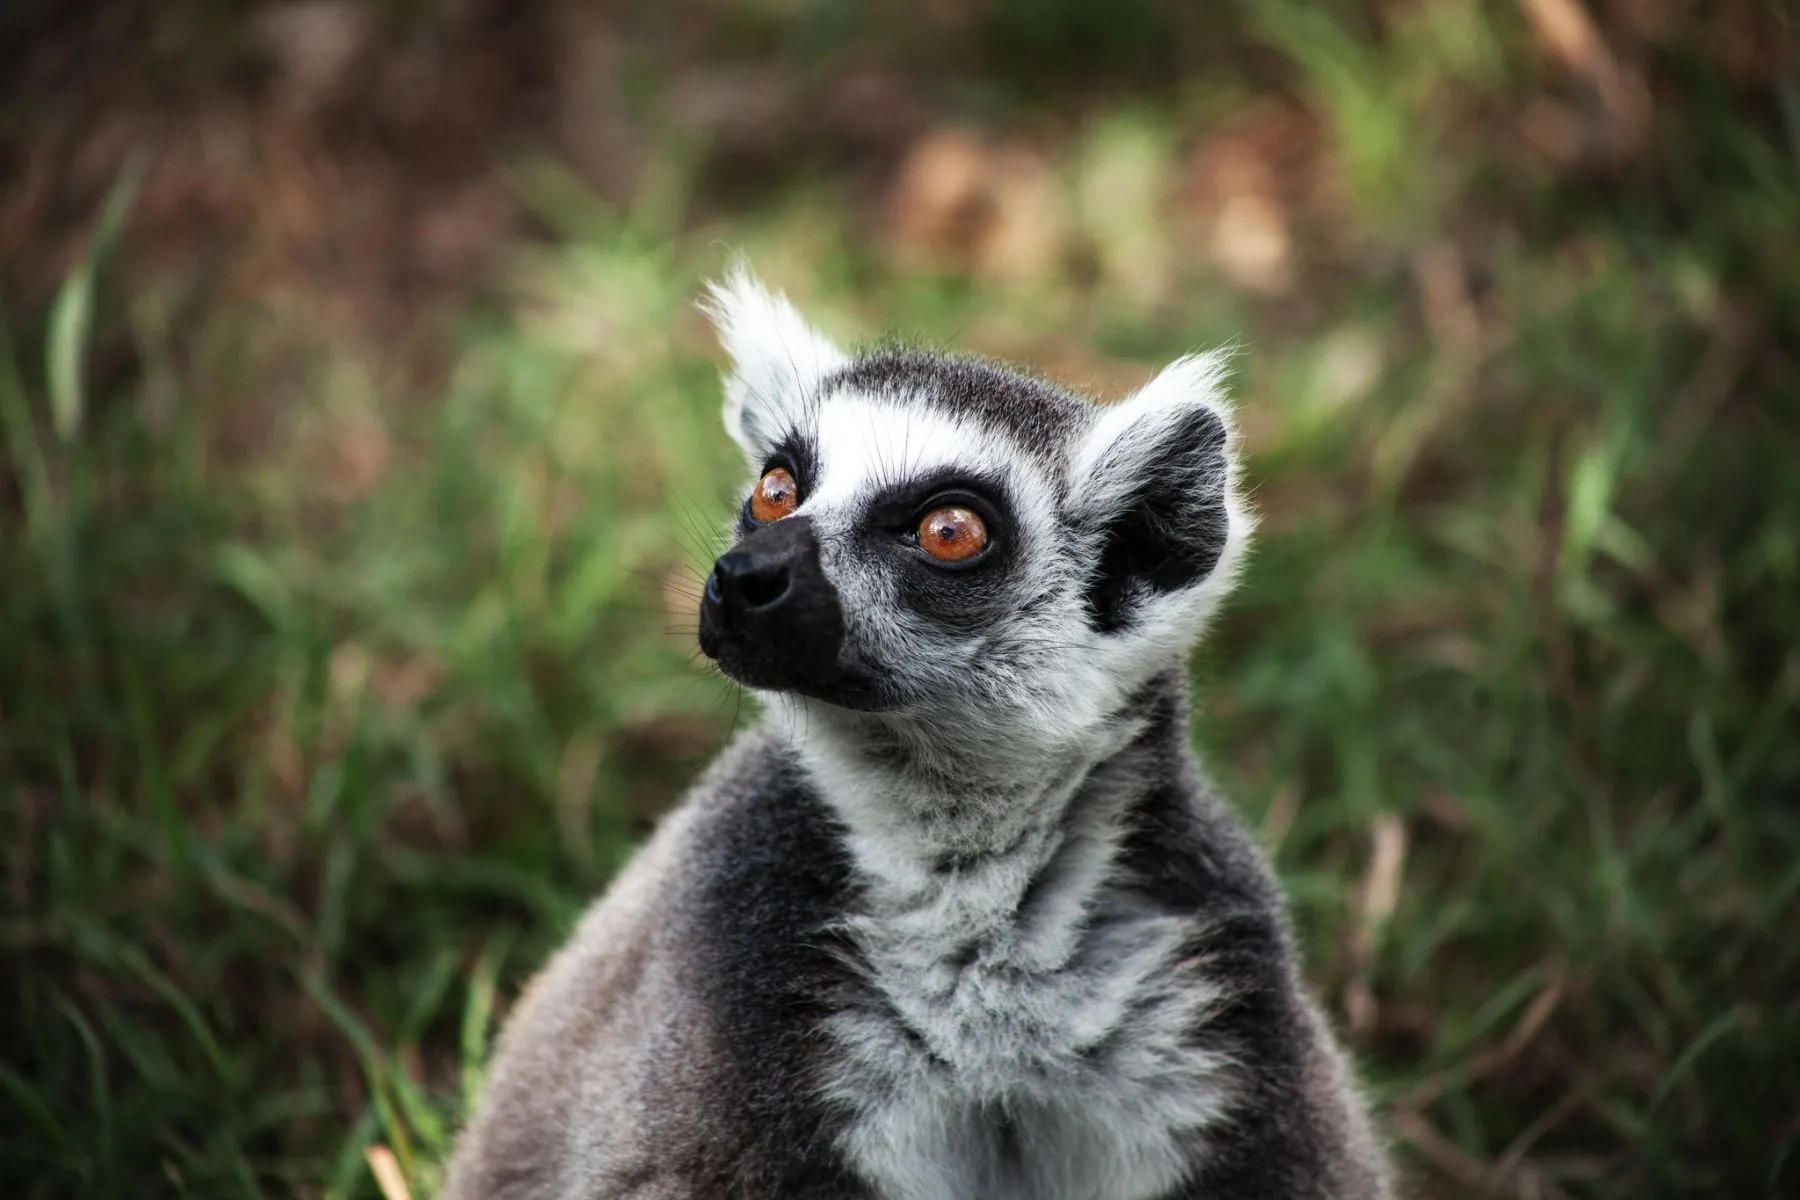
(944, 538)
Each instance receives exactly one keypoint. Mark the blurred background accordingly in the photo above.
(360, 443)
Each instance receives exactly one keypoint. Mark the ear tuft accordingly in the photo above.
(777, 360)
(1156, 483)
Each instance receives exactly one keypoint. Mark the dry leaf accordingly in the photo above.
(388, 1176)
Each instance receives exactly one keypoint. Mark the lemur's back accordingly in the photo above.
(958, 919)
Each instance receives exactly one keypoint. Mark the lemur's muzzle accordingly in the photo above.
(770, 618)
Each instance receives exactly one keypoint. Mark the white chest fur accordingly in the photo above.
(1030, 1028)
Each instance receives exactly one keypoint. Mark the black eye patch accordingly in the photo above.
(963, 597)
(901, 506)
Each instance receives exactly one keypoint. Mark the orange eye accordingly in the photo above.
(952, 534)
(776, 496)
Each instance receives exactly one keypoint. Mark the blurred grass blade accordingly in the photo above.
(69, 322)
(29, 1105)
(351, 1160)
(252, 576)
(478, 1016)
(100, 1092)
(24, 451)
(381, 1080)
(72, 316)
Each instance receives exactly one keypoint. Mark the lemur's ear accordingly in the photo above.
(777, 361)
(1155, 483)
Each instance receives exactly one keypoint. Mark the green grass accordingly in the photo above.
(309, 754)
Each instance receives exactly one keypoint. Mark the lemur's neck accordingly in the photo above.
(993, 870)
(920, 800)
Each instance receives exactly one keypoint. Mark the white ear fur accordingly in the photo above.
(1141, 444)
(1103, 478)
(777, 360)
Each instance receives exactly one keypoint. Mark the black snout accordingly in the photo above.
(748, 580)
(770, 618)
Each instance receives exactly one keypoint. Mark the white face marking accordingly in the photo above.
(866, 444)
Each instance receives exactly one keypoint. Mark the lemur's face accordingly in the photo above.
(948, 538)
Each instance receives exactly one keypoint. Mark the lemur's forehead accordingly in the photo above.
(898, 416)
(1039, 418)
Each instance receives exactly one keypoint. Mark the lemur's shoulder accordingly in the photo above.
(662, 1051)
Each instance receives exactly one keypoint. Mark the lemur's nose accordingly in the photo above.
(771, 617)
(748, 580)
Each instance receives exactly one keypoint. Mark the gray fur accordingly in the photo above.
(960, 919)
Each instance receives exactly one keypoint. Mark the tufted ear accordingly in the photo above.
(777, 361)
(1155, 483)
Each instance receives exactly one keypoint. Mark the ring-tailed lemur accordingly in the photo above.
(959, 919)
